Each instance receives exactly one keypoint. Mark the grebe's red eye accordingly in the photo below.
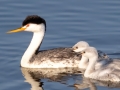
(27, 25)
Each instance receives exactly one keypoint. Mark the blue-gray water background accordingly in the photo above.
(68, 21)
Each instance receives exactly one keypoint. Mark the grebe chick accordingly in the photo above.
(104, 73)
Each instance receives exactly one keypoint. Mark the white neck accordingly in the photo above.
(35, 42)
(83, 63)
(91, 66)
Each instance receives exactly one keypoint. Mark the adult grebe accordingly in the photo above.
(82, 45)
(53, 58)
(105, 72)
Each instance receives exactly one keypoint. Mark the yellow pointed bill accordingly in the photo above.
(17, 30)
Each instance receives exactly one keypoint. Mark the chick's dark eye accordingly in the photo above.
(84, 52)
(76, 47)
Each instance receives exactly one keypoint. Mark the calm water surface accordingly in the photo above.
(69, 21)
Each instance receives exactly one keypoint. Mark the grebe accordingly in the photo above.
(82, 45)
(104, 73)
(53, 58)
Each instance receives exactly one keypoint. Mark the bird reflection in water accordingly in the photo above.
(34, 76)
(92, 84)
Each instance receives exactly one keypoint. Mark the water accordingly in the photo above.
(69, 21)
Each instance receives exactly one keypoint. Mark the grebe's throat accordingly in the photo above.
(34, 44)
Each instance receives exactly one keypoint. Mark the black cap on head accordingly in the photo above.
(33, 19)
